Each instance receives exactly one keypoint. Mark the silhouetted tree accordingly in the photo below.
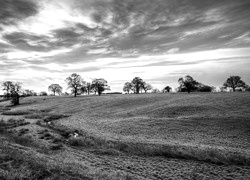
(75, 82)
(137, 83)
(13, 91)
(100, 85)
(187, 84)
(205, 88)
(6, 87)
(222, 89)
(156, 90)
(146, 87)
(166, 89)
(28, 92)
(83, 90)
(234, 82)
(43, 93)
(55, 88)
(88, 87)
(127, 87)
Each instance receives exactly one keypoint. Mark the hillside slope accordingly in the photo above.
(216, 119)
(145, 136)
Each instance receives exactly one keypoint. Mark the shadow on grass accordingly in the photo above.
(23, 164)
(111, 147)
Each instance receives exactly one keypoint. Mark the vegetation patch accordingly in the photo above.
(11, 123)
(56, 147)
(52, 117)
(19, 164)
(208, 154)
(34, 116)
(16, 113)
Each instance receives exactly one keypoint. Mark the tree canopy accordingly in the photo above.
(75, 82)
(13, 91)
(234, 82)
(146, 87)
(166, 89)
(100, 85)
(187, 84)
(55, 88)
(137, 83)
(128, 86)
(7, 87)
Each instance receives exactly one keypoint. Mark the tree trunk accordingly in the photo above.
(17, 99)
(137, 90)
(75, 93)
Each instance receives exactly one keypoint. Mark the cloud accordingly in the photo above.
(27, 42)
(109, 37)
(12, 11)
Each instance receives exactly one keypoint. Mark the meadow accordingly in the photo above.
(130, 136)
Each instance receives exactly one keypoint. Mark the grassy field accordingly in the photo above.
(144, 136)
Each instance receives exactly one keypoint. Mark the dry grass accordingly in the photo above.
(11, 122)
(27, 164)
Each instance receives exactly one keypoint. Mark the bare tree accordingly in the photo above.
(234, 82)
(88, 87)
(156, 90)
(146, 87)
(7, 87)
(13, 91)
(75, 82)
(55, 88)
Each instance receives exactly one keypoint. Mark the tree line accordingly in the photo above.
(186, 84)
(77, 85)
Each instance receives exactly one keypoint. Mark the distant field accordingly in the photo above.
(215, 119)
(204, 126)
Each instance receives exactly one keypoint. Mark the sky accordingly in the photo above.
(43, 42)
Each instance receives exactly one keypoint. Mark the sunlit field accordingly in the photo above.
(133, 133)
